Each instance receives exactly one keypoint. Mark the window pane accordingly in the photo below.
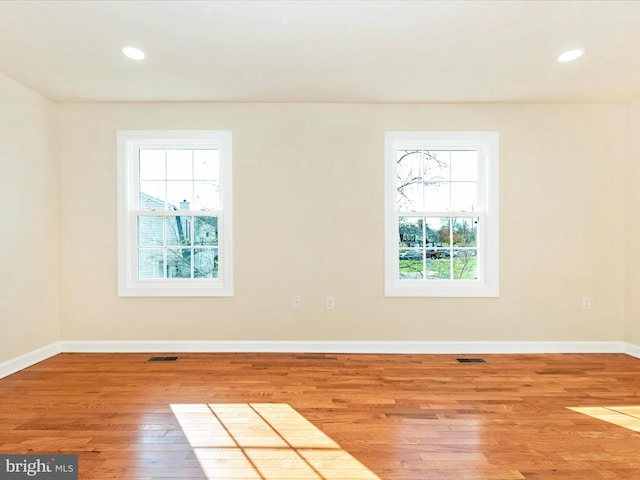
(464, 165)
(465, 265)
(179, 165)
(179, 263)
(437, 231)
(437, 166)
(150, 263)
(410, 230)
(206, 231)
(465, 232)
(410, 166)
(410, 196)
(179, 195)
(178, 230)
(438, 269)
(206, 165)
(206, 195)
(411, 264)
(150, 231)
(464, 196)
(152, 165)
(205, 263)
(152, 195)
(437, 197)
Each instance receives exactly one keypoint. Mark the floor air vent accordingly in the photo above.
(162, 359)
(471, 360)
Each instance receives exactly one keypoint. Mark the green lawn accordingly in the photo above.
(463, 268)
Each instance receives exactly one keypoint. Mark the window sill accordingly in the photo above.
(176, 288)
(456, 288)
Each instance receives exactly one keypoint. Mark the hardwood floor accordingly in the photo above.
(332, 417)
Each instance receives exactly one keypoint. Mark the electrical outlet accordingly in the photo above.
(586, 303)
(330, 303)
(297, 301)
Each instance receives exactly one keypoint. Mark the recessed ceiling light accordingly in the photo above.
(133, 53)
(570, 55)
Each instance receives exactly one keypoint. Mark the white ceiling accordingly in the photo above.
(323, 51)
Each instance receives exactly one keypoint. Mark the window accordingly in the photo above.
(441, 218)
(174, 213)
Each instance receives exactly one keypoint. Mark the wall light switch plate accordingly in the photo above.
(297, 301)
(330, 303)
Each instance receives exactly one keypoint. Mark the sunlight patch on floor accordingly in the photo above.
(627, 417)
(263, 441)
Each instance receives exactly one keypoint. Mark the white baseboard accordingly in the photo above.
(417, 347)
(16, 364)
(400, 347)
(633, 350)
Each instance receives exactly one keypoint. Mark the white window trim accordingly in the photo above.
(487, 284)
(128, 144)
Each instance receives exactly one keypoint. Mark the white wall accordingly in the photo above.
(308, 188)
(29, 313)
(632, 283)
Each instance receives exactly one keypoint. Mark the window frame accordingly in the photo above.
(487, 145)
(129, 143)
